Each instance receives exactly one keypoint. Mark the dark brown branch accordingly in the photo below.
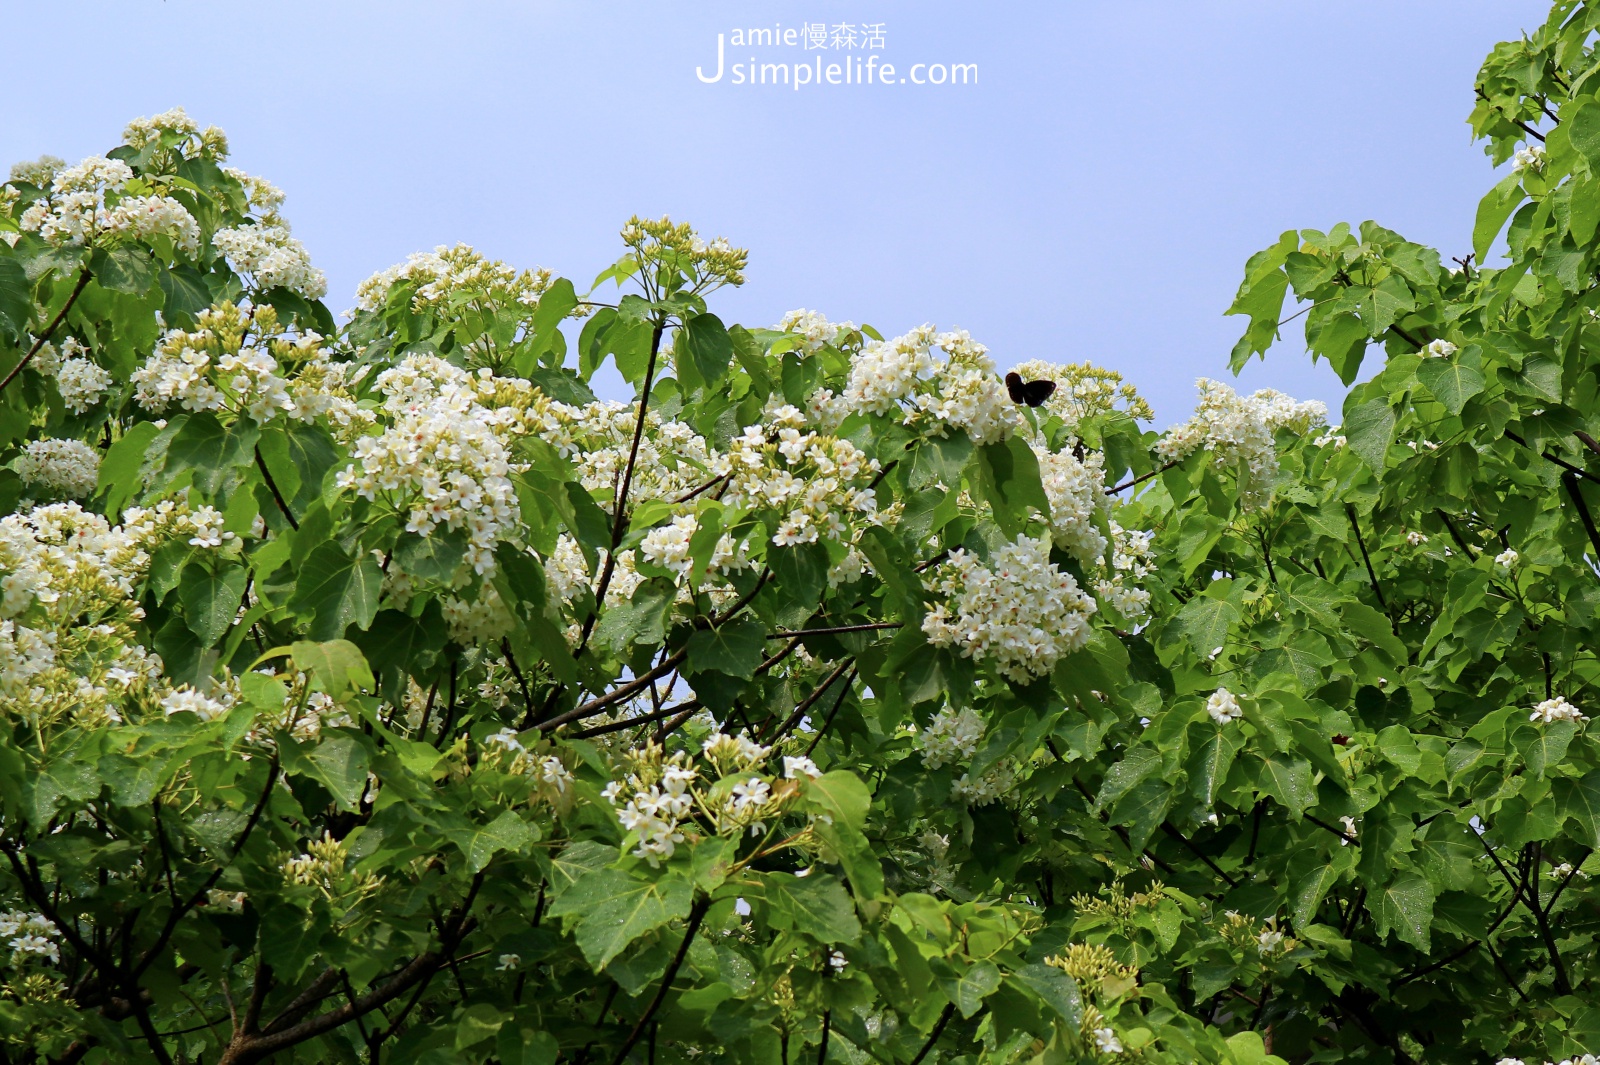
(272, 486)
(1570, 483)
(633, 722)
(1523, 126)
(1558, 460)
(1372, 575)
(49, 330)
(933, 1036)
(697, 913)
(621, 693)
(798, 633)
(1143, 477)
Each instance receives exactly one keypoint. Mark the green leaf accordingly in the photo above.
(735, 649)
(399, 644)
(1450, 381)
(1058, 990)
(801, 571)
(434, 557)
(1544, 746)
(969, 987)
(1205, 622)
(1209, 764)
(525, 1046)
(1493, 210)
(338, 760)
(128, 268)
(613, 909)
(1406, 906)
(508, 832)
(840, 795)
(336, 590)
(211, 600)
(119, 470)
(334, 666)
(1288, 780)
(16, 298)
(1369, 427)
(211, 449)
(1009, 476)
(186, 295)
(816, 905)
(708, 347)
(1579, 801)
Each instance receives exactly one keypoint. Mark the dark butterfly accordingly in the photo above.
(1033, 393)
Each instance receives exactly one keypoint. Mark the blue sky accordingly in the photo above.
(1094, 196)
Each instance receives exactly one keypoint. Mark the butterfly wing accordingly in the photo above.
(1014, 386)
(1034, 393)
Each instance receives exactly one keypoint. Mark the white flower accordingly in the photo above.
(1416, 539)
(81, 381)
(1439, 349)
(1239, 430)
(509, 961)
(1557, 709)
(667, 546)
(187, 699)
(952, 736)
(1269, 940)
(795, 766)
(812, 330)
(67, 468)
(1223, 706)
(1020, 610)
(1531, 158)
(748, 796)
(1349, 824)
(1507, 558)
(837, 961)
(272, 258)
(1106, 1041)
(998, 781)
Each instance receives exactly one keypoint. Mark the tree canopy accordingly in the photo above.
(371, 691)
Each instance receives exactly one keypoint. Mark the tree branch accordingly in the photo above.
(697, 913)
(49, 330)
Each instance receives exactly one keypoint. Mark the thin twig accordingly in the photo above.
(49, 330)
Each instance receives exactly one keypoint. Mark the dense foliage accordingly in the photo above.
(373, 692)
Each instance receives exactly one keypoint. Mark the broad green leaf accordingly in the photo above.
(816, 905)
(187, 294)
(708, 347)
(613, 909)
(128, 268)
(1288, 780)
(970, 986)
(1369, 427)
(211, 600)
(1205, 622)
(336, 590)
(508, 832)
(1450, 381)
(213, 451)
(1009, 476)
(1209, 764)
(1058, 990)
(434, 557)
(1493, 210)
(1579, 801)
(736, 649)
(334, 666)
(1405, 905)
(119, 470)
(16, 299)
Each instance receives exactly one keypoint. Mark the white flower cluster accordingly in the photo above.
(998, 781)
(1076, 491)
(812, 330)
(733, 752)
(89, 200)
(796, 766)
(551, 778)
(235, 360)
(1416, 538)
(272, 259)
(1439, 349)
(64, 468)
(29, 935)
(1223, 706)
(1582, 1059)
(176, 125)
(38, 172)
(188, 700)
(904, 376)
(654, 803)
(444, 459)
(1557, 709)
(952, 736)
(79, 379)
(261, 196)
(1528, 158)
(453, 278)
(1020, 610)
(672, 459)
(816, 483)
(1240, 429)
(1131, 562)
(667, 545)
(1083, 390)
(1507, 558)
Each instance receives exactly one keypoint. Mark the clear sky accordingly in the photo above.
(1093, 196)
